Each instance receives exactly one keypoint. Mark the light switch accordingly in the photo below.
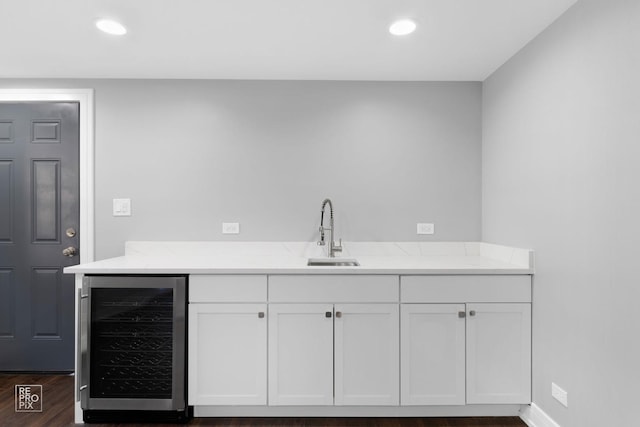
(425, 228)
(121, 207)
(230, 228)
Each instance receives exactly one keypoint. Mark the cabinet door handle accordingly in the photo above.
(327, 314)
(338, 314)
(472, 313)
(462, 314)
(261, 314)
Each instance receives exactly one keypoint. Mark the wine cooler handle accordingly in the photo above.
(83, 379)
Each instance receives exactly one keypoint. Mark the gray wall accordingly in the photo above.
(192, 154)
(561, 153)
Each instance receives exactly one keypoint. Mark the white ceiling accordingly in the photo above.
(463, 40)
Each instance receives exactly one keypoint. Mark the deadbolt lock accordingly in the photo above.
(70, 232)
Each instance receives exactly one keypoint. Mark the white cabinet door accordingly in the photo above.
(433, 354)
(367, 354)
(301, 354)
(498, 353)
(227, 354)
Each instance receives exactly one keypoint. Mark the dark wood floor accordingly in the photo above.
(58, 412)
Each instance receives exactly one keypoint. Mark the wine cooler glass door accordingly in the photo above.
(135, 346)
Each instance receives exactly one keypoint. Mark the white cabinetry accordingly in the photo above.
(366, 354)
(306, 339)
(333, 344)
(326, 324)
(494, 338)
(301, 354)
(498, 353)
(227, 341)
(433, 354)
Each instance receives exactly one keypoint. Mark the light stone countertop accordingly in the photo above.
(215, 257)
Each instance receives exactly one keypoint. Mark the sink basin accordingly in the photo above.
(332, 262)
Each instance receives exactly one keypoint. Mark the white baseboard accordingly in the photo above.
(536, 417)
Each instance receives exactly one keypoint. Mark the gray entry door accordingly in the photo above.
(39, 202)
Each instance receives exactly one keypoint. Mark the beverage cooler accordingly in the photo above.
(133, 349)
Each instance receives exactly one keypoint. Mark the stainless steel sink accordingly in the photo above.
(332, 262)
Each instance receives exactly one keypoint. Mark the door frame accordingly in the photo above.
(87, 139)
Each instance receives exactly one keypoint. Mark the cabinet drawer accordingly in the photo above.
(227, 288)
(453, 289)
(333, 288)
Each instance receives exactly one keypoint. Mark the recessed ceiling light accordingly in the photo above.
(402, 27)
(110, 26)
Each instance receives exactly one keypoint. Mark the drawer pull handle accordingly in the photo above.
(462, 314)
(338, 314)
(472, 313)
(261, 314)
(327, 314)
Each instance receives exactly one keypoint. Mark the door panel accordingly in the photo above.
(7, 306)
(39, 197)
(227, 354)
(498, 353)
(45, 132)
(45, 193)
(45, 303)
(433, 354)
(6, 131)
(367, 354)
(6, 201)
(300, 354)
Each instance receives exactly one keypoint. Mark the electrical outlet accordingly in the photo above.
(425, 228)
(230, 228)
(121, 207)
(559, 394)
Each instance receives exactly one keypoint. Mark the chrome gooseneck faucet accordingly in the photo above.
(333, 248)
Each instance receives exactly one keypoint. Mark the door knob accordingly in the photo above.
(70, 251)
